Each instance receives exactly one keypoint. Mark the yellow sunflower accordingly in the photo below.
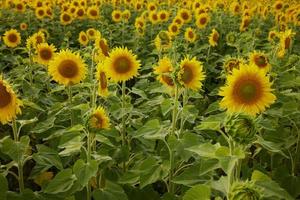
(247, 90)
(185, 15)
(191, 73)
(83, 38)
(278, 5)
(260, 60)
(245, 23)
(20, 7)
(213, 38)
(272, 35)
(40, 12)
(122, 64)
(286, 39)
(126, 15)
(65, 18)
(101, 44)
(12, 38)
(177, 20)
(202, 20)
(93, 33)
(163, 71)
(153, 17)
(151, 7)
(9, 103)
(163, 16)
(99, 119)
(231, 63)
(173, 29)
(116, 15)
(163, 40)
(23, 26)
(190, 35)
(67, 68)
(80, 13)
(45, 53)
(102, 79)
(93, 12)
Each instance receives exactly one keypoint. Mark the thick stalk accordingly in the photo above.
(70, 98)
(123, 128)
(175, 110)
(184, 102)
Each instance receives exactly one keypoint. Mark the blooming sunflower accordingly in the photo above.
(173, 29)
(247, 90)
(9, 103)
(93, 33)
(45, 53)
(177, 20)
(272, 35)
(191, 73)
(20, 7)
(163, 40)
(122, 64)
(185, 15)
(116, 15)
(99, 119)
(286, 39)
(40, 12)
(12, 38)
(101, 44)
(164, 70)
(231, 63)
(245, 23)
(260, 60)
(163, 16)
(65, 18)
(126, 14)
(153, 17)
(93, 12)
(23, 26)
(80, 13)
(202, 20)
(213, 38)
(103, 80)
(67, 68)
(83, 38)
(190, 35)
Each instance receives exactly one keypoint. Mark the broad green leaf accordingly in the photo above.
(16, 150)
(205, 150)
(166, 106)
(111, 191)
(271, 146)
(44, 126)
(213, 122)
(76, 128)
(62, 182)
(151, 130)
(198, 192)
(3, 187)
(85, 171)
(71, 147)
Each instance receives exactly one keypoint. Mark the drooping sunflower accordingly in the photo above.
(245, 23)
(185, 15)
(122, 64)
(101, 44)
(202, 20)
(214, 38)
(67, 68)
(272, 35)
(12, 38)
(45, 53)
(83, 38)
(102, 80)
(9, 103)
(163, 40)
(116, 15)
(163, 71)
(247, 90)
(99, 119)
(65, 18)
(190, 35)
(93, 12)
(260, 60)
(191, 73)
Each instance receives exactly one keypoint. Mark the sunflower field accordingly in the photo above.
(149, 99)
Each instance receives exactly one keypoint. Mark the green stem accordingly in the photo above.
(184, 102)
(20, 164)
(175, 110)
(70, 98)
(123, 128)
(93, 90)
(89, 152)
(170, 184)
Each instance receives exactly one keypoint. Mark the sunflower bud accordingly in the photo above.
(231, 38)
(241, 128)
(244, 191)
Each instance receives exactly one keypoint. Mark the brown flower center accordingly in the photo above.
(103, 81)
(187, 75)
(68, 68)
(5, 97)
(185, 15)
(122, 65)
(261, 61)
(168, 80)
(191, 34)
(247, 90)
(104, 48)
(203, 20)
(93, 13)
(12, 37)
(287, 42)
(80, 13)
(66, 17)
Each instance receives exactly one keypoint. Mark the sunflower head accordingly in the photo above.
(122, 64)
(163, 71)
(12, 38)
(45, 53)
(231, 63)
(153, 17)
(9, 103)
(83, 38)
(126, 15)
(67, 68)
(190, 35)
(163, 41)
(99, 119)
(231, 38)
(102, 80)
(191, 73)
(248, 90)
(163, 15)
(214, 38)
(80, 13)
(260, 60)
(202, 20)
(23, 26)
(286, 39)
(93, 12)
(116, 15)
(245, 23)
(244, 190)
(272, 36)
(93, 34)
(66, 18)
(174, 29)
(185, 15)
(101, 44)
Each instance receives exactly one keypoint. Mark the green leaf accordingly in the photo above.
(166, 106)
(213, 122)
(44, 126)
(71, 147)
(151, 130)
(62, 182)
(139, 92)
(270, 187)
(3, 187)
(15, 150)
(205, 150)
(111, 191)
(76, 128)
(198, 192)
(271, 146)
(85, 171)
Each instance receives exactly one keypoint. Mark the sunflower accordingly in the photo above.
(272, 35)
(80, 13)
(245, 23)
(83, 38)
(153, 17)
(126, 15)
(20, 7)
(235, 8)
(202, 20)
(103, 81)
(163, 16)
(35, 39)
(99, 119)
(185, 15)
(23, 26)
(260, 60)
(247, 90)
(12, 38)
(67, 68)
(151, 7)
(65, 18)
(9, 103)
(164, 70)
(40, 12)
(278, 5)
(101, 44)
(140, 23)
(173, 29)
(45, 53)
(116, 15)
(190, 35)
(163, 40)
(93, 12)
(286, 39)
(93, 33)
(177, 20)
(231, 63)
(122, 64)
(191, 73)
(213, 38)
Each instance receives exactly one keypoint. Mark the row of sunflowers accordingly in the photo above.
(152, 99)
